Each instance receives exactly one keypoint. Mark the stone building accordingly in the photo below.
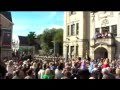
(6, 27)
(93, 34)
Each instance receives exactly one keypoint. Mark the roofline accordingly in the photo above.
(6, 18)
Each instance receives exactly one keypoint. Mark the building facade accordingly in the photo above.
(6, 27)
(93, 34)
(75, 37)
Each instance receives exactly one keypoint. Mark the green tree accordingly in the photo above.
(31, 38)
(48, 36)
(58, 37)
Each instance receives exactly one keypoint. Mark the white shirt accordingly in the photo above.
(41, 73)
(10, 69)
(58, 73)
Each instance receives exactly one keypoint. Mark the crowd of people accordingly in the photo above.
(60, 69)
(103, 35)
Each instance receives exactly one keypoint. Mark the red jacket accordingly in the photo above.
(105, 65)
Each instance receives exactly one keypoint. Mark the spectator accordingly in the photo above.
(67, 75)
(41, 72)
(47, 74)
(117, 73)
(58, 73)
(16, 75)
(29, 74)
(10, 67)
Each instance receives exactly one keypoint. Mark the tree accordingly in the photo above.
(31, 38)
(59, 40)
(48, 36)
(58, 37)
(45, 48)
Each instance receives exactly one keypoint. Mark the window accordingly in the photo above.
(76, 50)
(72, 29)
(77, 28)
(72, 12)
(72, 49)
(105, 29)
(68, 28)
(97, 30)
(67, 49)
(114, 30)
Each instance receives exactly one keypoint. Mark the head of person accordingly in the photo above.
(105, 71)
(24, 66)
(20, 62)
(16, 73)
(47, 72)
(51, 63)
(79, 58)
(83, 74)
(39, 65)
(118, 71)
(10, 63)
(67, 74)
(106, 61)
(9, 76)
(68, 69)
(95, 74)
(30, 72)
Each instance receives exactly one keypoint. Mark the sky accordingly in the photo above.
(27, 21)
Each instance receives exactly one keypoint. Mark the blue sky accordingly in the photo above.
(27, 21)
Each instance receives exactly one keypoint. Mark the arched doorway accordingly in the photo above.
(100, 53)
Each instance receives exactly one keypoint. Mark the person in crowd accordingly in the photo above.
(10, 67)
(117, 73)
(38, 67)
(9, 76)
(47, 74)
(3, 70)
(105, 63)
(67, 75)
(16, 75)
(58, 72)
(25, 69)
(107, 74)
(41, 72)
(21, 72)
(29, 74)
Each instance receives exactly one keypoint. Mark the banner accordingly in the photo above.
(6, 39)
